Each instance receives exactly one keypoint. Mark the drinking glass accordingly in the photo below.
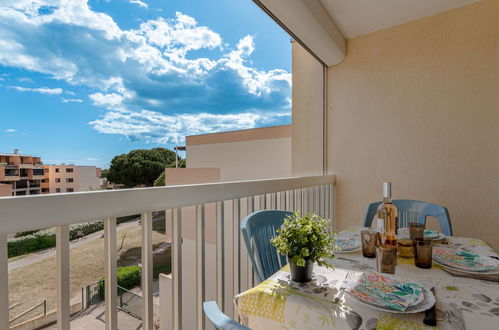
(416, 230)
(369, 240)
(406, 248)
(423, 253)
(386, 258)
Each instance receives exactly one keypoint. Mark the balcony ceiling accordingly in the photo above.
(358, 17)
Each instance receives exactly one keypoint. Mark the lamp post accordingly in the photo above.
(177, 148)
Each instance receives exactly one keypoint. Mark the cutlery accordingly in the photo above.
(430, 317)
(338, 297)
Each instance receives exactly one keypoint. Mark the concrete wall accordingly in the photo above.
(308, 113)
(418, 104)
(243, 155)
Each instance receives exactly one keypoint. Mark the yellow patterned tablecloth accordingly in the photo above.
(277, 303)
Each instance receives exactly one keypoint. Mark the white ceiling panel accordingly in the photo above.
(358, 17)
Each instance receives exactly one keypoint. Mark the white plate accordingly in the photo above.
(494, 271)
(427, 303)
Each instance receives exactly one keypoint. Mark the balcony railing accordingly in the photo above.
(11, 172)
(17, 213)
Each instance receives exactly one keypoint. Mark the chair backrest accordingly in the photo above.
(257, 229)
(219, 320)
(424, 209)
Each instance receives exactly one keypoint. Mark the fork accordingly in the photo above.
(338, 297)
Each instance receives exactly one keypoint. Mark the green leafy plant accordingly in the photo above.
(305, 237)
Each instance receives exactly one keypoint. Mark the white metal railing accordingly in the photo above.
(24, 213)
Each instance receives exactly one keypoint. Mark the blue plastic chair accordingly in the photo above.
(424, 209)
(219, 320)
(258, 228)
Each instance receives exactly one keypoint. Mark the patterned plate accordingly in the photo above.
(464, 260)
(426, 302)
(428, 234)
(385, 291)
(348, 244)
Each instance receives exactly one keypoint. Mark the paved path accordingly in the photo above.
(40, 255)
(94, 318)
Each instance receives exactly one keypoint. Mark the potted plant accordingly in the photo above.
(305, 240)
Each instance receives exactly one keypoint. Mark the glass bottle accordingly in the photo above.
(387, 216)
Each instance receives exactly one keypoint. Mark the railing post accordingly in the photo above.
(147, 264)
(220, 256)
(4, 283)
(250, 209)
(282, 201)
(110, 280)
(236, 219)
(62, 256)
(200, 264)
(177, 268)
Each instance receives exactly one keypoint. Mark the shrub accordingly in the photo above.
(304, 238)
(127, 277)
(45, 238)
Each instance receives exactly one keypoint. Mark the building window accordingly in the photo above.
(69, 180)
(57, 190)
(45, 170)
(57, 179)
(69, 170)
(57, 170)
(70, 190)
(45, 190)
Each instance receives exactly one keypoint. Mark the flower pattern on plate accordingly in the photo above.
(464, 260)
(385, 291)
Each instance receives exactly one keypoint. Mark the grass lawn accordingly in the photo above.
(32, 284)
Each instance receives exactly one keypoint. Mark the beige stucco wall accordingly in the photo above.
(308, 109)
(418, 104)
(243, 155)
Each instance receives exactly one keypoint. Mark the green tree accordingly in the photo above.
(140, 167)
(160, 181)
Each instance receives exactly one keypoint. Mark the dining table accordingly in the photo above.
(461, 302)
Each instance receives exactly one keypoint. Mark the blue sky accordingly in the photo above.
(84, 80)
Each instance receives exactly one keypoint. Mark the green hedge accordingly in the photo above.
(30, 241)
(45, 238)
(127, 277)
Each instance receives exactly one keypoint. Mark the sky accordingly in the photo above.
(82, 81)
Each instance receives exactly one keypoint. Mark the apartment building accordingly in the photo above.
(70, 178)
(248, 154)
(20, 174)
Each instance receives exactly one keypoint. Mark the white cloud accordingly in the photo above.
(144, 75)
(72, 100)
(92, 159)
(10, 130)
(41, 90)
(140, 3)
(159, 128)
(25, 79)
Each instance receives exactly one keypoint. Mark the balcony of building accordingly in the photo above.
(10, 173)
(404, 91)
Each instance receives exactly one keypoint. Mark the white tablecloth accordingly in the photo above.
(277, 303)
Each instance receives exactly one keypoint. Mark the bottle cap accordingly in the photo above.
(387, 189)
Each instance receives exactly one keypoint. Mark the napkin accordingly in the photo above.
(384, 291)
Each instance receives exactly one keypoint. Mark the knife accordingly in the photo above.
(430, 317)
